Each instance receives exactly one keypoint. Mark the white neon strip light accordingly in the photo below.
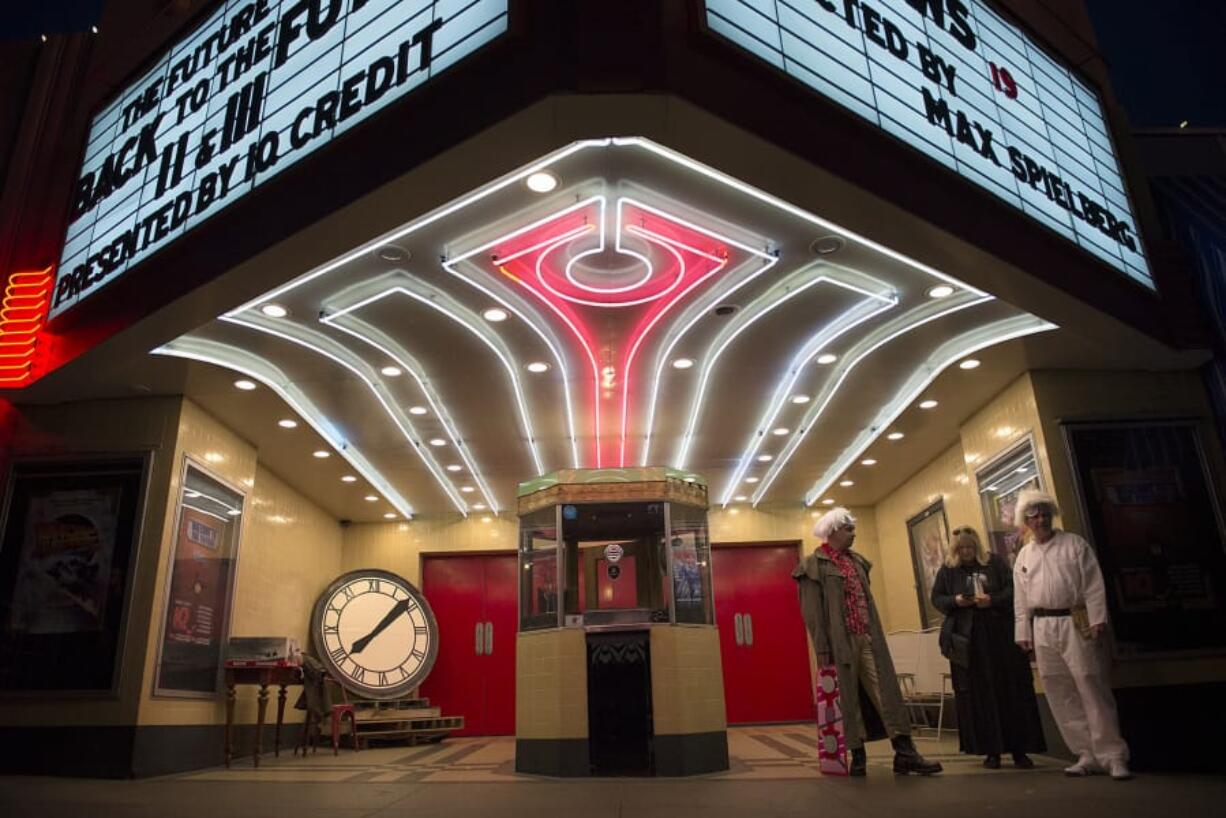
(375, 338)
(819, 341)
(396, 235)
(745, 319)
(228, 357)
(356, 365)
(470, 323)
(900, 326)
(212, 514)
(948, 354)
(711, 173)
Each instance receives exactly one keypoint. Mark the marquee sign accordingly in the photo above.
(956, 81)
(254, 88)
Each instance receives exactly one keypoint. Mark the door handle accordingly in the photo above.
(480, 642)
(489, 638)
(738, 629)
(749, 629)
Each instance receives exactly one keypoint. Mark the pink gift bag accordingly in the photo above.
(831, 739)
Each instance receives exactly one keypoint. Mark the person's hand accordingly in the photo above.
(1026, 645)
(963, 601)
(1097, 630)
(983, 601)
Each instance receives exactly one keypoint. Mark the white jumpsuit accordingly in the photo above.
(1063, 573)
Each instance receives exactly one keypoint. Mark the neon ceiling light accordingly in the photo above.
(260, 370)
(315, 342)
(909, 321)
(946, 355)
(400, 283)
(874, 305)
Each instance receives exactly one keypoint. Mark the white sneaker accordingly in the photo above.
(1119, 770)
(1084, 766)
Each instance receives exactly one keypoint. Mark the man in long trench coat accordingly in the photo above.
(842, 621)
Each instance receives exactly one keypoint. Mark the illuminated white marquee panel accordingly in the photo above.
(254, 88)
(958, 82)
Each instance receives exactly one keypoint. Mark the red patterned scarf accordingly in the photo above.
(855, 604)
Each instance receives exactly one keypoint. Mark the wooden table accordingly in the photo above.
(281, 674)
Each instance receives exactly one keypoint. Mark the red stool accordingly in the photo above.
(339, 712)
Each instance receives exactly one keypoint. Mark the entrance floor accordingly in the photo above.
(773, 773)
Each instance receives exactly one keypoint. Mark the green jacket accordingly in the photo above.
(820, 586)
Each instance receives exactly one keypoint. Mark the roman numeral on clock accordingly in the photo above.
(359, 674)
(338, 655)
(349, 593)
(383, 679)
(372, 587)
(331, 630)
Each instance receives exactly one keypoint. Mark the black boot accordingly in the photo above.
(908, 760)
(859, 763)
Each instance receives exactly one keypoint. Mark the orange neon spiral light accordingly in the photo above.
(22, 313)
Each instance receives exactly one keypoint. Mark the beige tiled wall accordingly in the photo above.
(687, 682)
(551, 684)
(397, 547)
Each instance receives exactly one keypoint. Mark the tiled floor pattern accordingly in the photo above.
(780, 752)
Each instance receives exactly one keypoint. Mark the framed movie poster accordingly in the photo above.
(928, 532)
(66, 561)
(200, 586)
(1155, 525)
(1000, 481)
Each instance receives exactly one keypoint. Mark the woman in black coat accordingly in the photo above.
(993, 687)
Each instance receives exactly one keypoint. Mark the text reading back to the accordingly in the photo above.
(955, 80)
(254, 88)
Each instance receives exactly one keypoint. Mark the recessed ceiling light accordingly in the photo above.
(542, 182)
(827, 358)
(349, 478)
(287, 423)
(751, 479)
(734, 511)
(868, 461)
(234, 512)
(940, 291)
(847, 483)
(479, 506)
(969, 363)
(467, 489)
(928, 404)
(1022, 469)
(487, 519)
(798, 399)
(390, 252)
(1183, 123)
(765, 458)
(895, 436)
(321, 453)
(781, 431)
(740, 498)
(829, 501)
(371, 498)
(274, 310)
(244, 385)
(454, 467)
(418, 410)
(437, 441)
(494, 314)
(827, 245)
(538, 366)
(683, 363)
(391, 371)
(391, 515)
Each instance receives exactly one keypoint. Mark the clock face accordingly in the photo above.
(376, 633)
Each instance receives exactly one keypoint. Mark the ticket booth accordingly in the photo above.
(618, 663)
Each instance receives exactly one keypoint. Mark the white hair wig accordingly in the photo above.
(1030, 498)
(832, 519)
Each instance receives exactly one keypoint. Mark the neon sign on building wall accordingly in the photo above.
(257, 86)
(971, 90)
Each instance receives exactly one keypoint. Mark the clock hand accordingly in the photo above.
(397, 609)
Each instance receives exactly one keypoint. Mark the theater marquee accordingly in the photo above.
(257, 86)
(974, 92)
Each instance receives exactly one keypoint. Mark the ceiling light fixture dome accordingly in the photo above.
(541, 182)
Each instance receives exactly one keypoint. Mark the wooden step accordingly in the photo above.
(397, 715)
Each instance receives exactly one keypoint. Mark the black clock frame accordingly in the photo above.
(317, 635)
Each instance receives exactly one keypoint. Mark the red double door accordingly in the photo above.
(762, 637)
(474, 601)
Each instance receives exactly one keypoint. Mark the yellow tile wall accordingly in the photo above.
(687, 681)
(397, 547)
(111, 427)
(551, 684)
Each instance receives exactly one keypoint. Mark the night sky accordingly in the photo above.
(1167, 59)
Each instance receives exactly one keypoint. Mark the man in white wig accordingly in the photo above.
(842, 621)
(1055, 579)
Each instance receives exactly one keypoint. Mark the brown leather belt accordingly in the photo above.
(1051, 611)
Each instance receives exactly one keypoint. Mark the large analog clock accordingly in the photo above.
(376, 633)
